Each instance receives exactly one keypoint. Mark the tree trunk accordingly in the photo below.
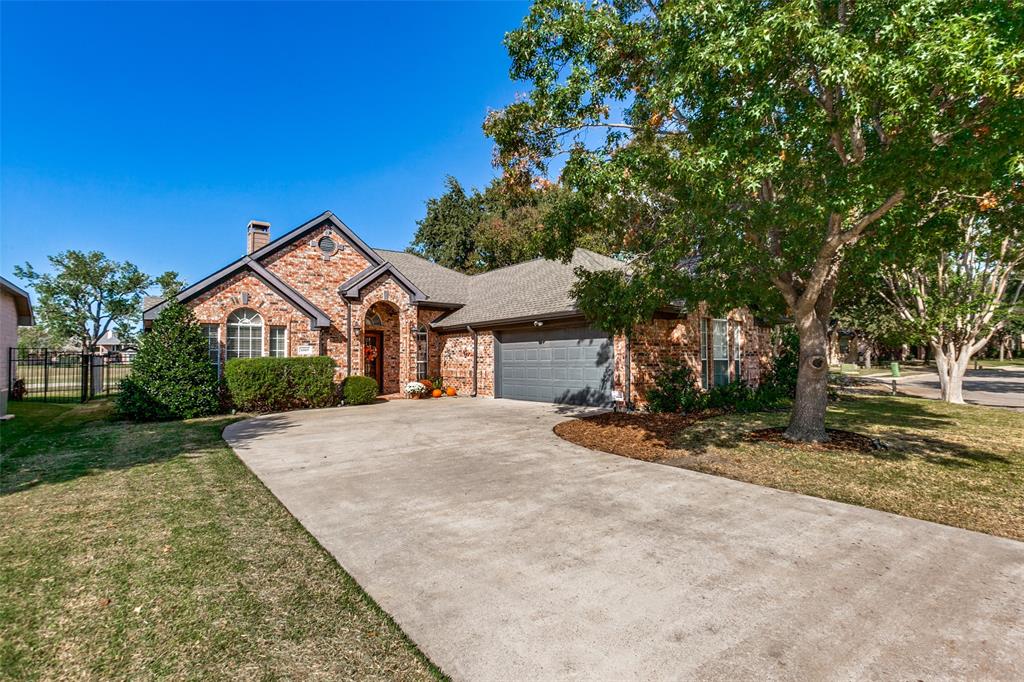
(807, 421)
(1002, 350)
(867, 355)
(951, 366)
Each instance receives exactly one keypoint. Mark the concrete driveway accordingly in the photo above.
(506, 553)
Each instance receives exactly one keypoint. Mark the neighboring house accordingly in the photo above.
(15, 311)
(112, 348)
(511, 333)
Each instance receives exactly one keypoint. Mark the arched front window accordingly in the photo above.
(421, 352)
(245, 334)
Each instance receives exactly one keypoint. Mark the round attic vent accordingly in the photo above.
(327, 246)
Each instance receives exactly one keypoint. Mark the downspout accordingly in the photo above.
(629, 373)
(476, 349)
(348, 338)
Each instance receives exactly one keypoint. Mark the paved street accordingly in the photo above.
(1003, 387)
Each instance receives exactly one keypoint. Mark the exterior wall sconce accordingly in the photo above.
(538, 323)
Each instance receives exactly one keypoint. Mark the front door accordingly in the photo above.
(373, 357)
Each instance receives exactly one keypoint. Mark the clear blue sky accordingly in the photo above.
(155, 132)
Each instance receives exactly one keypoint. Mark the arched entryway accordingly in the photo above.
(382, 345)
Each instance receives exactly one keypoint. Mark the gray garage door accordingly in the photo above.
(569, 365)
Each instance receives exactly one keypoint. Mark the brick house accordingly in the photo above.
(510, 333)
(15, 311)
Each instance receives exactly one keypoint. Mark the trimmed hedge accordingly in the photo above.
(278, 384)
(359, 390)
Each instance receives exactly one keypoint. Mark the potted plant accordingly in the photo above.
(415, 390)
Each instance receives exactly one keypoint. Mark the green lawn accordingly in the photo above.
(960, 465)
(140, 551)
(1016, 362)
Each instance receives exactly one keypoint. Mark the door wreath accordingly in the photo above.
(370, 353)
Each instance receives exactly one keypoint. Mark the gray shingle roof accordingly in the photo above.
(440, 284)
(534, 289)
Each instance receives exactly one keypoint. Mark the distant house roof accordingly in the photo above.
(109, 339)
(22, 302)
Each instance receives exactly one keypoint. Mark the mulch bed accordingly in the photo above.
(640, 436)
(846, 441)
(651, 437)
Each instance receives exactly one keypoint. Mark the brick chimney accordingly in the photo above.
(258, 235)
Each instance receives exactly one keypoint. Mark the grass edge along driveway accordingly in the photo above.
(959, 465)
(150, 550)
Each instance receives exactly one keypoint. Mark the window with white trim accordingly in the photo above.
(421, 352)
(245, 334)
(737, 349)
(212, 332)
(278, 342)
(703, 352)
(720, 350)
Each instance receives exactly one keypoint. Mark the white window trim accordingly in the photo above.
(262, 326)
(286, 332)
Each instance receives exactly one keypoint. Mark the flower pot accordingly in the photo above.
(415, 396)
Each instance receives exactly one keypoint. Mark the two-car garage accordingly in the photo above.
(572, 365)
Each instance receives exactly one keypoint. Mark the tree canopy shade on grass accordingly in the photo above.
(767, 140)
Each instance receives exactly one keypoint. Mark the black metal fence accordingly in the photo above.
(61, 376)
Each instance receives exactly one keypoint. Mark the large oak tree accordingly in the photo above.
(757, 143)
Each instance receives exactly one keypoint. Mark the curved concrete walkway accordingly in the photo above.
(506, 553)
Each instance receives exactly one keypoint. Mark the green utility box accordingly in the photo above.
(894, 367)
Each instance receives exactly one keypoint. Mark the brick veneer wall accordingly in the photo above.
(457, 362)
(215, 305)
(303, 267)
(662, 340)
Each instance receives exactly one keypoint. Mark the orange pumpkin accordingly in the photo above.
(437, 393)
(451, 390)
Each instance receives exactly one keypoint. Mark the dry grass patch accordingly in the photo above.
(142, 551)
(958, 465)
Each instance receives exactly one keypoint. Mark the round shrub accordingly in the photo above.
(359, 390)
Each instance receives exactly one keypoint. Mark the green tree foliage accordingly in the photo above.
(172, 376)
(169, 283)
(86, 294)
(38, 336)
(769, 140)
(481, 231)
(962, 286)
(445, 235)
